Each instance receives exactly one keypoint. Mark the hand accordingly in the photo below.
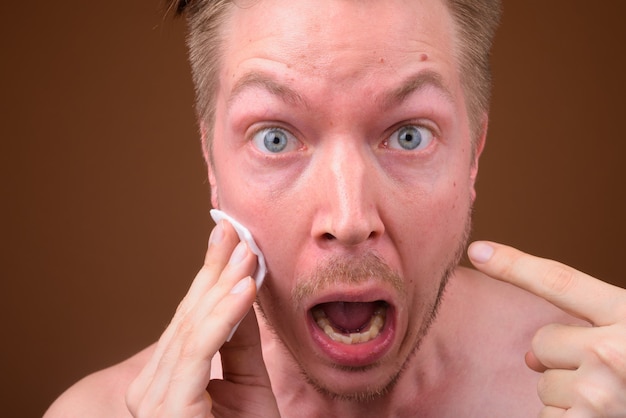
(584, 368)
(175, 382)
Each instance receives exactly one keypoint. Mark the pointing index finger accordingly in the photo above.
(569, 289)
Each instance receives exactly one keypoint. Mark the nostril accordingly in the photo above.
(328, 236)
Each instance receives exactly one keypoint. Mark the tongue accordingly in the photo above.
(349, 316)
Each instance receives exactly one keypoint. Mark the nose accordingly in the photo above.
(348, 211)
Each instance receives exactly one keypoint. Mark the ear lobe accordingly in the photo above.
(479, 146)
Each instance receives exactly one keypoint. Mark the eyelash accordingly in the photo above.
(256, 140)
(433, 135)
(432, 130)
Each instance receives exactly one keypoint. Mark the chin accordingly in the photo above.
(354, 385)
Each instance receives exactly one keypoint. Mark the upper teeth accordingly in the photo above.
(375, 325)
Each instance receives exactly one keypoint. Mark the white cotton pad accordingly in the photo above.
(244, 235)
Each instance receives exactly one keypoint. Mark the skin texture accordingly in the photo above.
(327, 197)
(340, 87)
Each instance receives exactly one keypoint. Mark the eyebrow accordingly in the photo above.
(412, 84)
(266, 82)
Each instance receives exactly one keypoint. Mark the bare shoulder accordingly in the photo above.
(101, 394)
(488, 326)
(497, 303)
(495, 320)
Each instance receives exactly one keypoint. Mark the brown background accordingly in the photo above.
(104, 199)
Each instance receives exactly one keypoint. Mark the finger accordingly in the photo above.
(556, 388)
(533, 363)
(192, 373)
(559, 346)
(183, 371)
(575, 292)
(222, 241)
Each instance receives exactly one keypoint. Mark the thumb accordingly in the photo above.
(245, 389)
(242, 357)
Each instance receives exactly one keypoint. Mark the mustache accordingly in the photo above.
(350, 270)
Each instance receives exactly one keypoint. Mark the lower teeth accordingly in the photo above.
(376, 324)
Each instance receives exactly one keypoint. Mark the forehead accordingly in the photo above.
(338, 41)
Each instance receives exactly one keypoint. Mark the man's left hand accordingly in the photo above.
(584, 368)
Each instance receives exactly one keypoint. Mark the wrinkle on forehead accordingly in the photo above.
(316, 36)
(385, 100)
(344, 68)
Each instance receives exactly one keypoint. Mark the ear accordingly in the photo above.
(479, 146)
(209, 163)
(205, 141)
(213, 184)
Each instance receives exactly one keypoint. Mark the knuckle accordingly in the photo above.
(182, 309)
(611, 353)
(131, 402)
(512, 267)
(209, 263)
(595, 397)
(190, 349)
(185, 328)
(560, 279)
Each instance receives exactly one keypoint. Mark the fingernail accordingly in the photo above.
(217, 234)
(480, 252)
(239, 254)
(241, 286)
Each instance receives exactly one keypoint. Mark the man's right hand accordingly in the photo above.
(175, 382)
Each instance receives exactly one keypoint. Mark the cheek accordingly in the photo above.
(276, 219)
(429, 227)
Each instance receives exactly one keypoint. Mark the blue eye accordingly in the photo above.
(410, 137)
(274, 140)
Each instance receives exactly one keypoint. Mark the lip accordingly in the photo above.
(361, 354)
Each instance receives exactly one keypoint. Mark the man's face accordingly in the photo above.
(342, 142)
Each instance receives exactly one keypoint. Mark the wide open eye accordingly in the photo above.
(274, 140)
(410, 138)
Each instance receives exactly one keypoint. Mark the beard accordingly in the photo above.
(352, 270)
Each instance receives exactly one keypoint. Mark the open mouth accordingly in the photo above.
(351, 322)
